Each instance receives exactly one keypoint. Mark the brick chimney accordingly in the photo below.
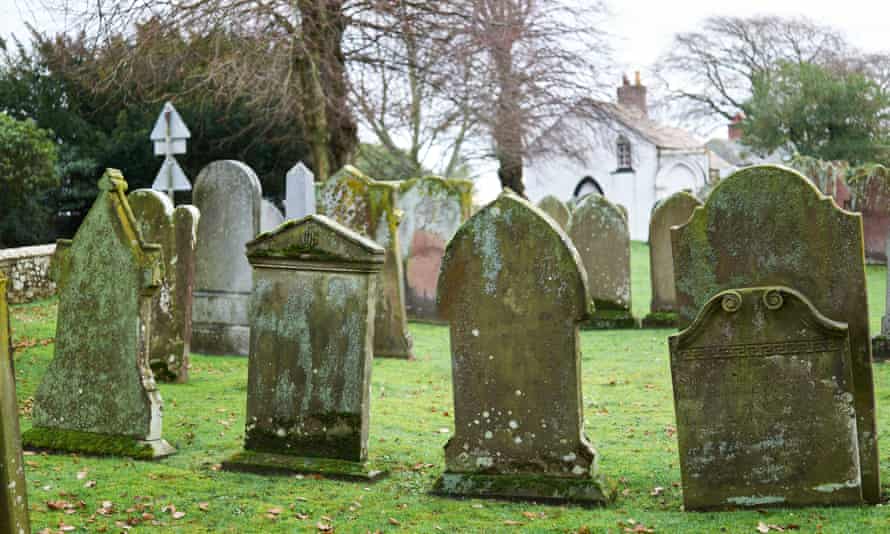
(735, 127)
(633, 96)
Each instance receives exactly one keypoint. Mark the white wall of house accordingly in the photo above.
(657, 173)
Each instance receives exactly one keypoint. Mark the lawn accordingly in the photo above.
(628, 418)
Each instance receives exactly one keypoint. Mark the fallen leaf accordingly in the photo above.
(178, 515)
(394, 521)
(324, 527)
(511, 523)
(203, 506)
(656, 491)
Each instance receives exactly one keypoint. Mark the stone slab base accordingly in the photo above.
(270, 463)
(215, 338)
(610, 320)
(880, 348)
(587, 491)
(65, 441)
(660, 320)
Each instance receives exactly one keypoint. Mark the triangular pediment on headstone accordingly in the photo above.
(315, 238)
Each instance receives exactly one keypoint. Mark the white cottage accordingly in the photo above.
(635, 162)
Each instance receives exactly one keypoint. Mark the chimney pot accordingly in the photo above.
(633, 96)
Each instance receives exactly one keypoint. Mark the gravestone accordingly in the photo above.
(672, 211)
(371, 209)
(768, 225)
(98, 395)
(299, 192)
(311, 346)
(764, 398)
(433, 208)
(228, 194)
(14, 512)
(880, 344)
(599, 231)
(514, 291)
(270, 216)
(557, 209)
(171, 307)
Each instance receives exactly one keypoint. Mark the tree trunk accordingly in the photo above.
(331, 130)
(508, 121)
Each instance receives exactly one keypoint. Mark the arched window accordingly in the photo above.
(625, 157)
(586, 186)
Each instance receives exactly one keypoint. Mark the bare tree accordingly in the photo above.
(537, 62)
(712, 71)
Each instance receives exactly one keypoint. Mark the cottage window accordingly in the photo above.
(625, 159)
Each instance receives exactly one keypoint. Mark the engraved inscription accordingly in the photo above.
(760, 350)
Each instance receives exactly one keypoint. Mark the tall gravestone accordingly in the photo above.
(672, 211)
(768, 226)
(880, 345)
(14, 511)
(599, 231)
(98, 395)
(311, 348)
(270, 216)
(433, 209)
(171, 323)
(299, 192)
(228, 194)
(765, 407)
(371, 209)
(514, 291)
(557, 209)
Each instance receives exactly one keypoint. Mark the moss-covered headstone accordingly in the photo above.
(880, 345)
(171, 308)
(672, 211)
(311, 341)
(764, 398)
(768, 225)
(228, 194)
(371, 209)
(514, 291)
(557, 209)
(14, 509)
(599, 231)
(433, 209)
(98, 395)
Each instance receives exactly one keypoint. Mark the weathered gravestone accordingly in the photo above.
(370, 208)
(513, 289)
(228, 194)
(880, 345)
(299, 192)
(311, 341)
(764, 398)
(433, 209)
(98, 395)
(270, 216)
(599, 231)
(766, 226)
(171, 307)
(14, 511)
(672, 211)
(557, 209)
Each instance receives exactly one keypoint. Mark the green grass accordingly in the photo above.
(629, 419)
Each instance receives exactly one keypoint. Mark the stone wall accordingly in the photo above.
(28, 272)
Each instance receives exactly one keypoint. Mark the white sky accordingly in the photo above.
(643, 29)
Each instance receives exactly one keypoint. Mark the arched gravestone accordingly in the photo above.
(557, 209)
(672, 211)
(171, 321)
(311, 336)
(14, 511)
(599, 231)
(433, 209)
(513, 289)
(768, 225)
(764, 397)
(228, 194)
(370, 208)
(98, 395)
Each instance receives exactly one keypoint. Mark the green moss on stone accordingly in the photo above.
(316, 443)
(263, 462)
(610, 320)
(585, 491)
(86, 443)
(660, 320)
